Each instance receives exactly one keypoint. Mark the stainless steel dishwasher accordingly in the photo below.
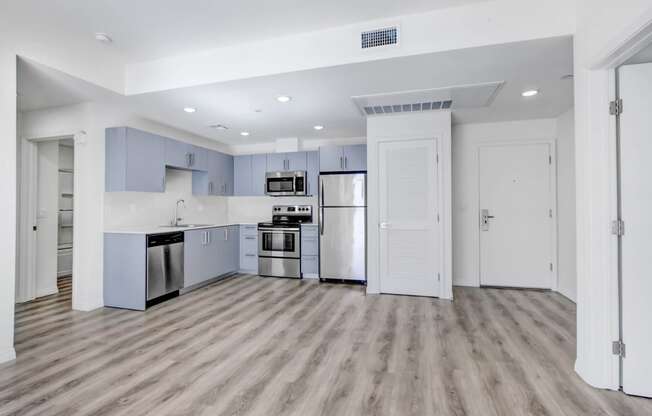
(164, 266)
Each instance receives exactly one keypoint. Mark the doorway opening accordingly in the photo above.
(633, 127)
(46, 237)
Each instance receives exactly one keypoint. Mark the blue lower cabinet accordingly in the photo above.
(125, 271)
(249, 248)
(310, 250)
(199, 257)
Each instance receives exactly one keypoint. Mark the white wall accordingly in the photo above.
(567, 265)
(151, 209)
(8, 200)
(434, 124)
(47, 218)
(466, 140)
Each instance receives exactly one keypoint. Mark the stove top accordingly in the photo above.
(289, 216)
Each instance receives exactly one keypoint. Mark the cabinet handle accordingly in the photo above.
(208, 235)
(187, 159)
(250, 238)
(192, 159)
(226, 234)
(250, 255)
(163, 183)
(346, 162)
(210, 187)
(203, 238)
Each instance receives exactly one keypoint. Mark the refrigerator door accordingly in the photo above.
(343, 190)
(343, 238)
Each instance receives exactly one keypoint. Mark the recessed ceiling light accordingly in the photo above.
(318, 127)
(529, 93)
(189, 109)
(103, 37)
(218, 127)
(283, 98)
(244, 133)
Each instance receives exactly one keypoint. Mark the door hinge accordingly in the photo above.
(550, 159)
(618, 228)
(438, 277)
(437, 217)
(618, 348)
(616, 107)
(550, 212)
(437, 157)
(550, 266)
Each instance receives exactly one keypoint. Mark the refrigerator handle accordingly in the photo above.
(321, 202)
(321, 221)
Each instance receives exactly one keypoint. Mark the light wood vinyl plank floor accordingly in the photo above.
(258, 346)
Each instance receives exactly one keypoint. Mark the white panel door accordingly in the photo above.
(410, 250)
(516, 239)
(636, 205)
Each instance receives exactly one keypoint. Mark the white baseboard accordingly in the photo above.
(7, 354)
(310, 276)
(47, 291)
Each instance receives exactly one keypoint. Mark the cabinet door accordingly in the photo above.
(355, 157)
(258, 170)
(331, 159)
(234, 248)
(205, 182)
(276, 162)
(145, 167)
(296, 161)
(177, 154)
(242, 175)
(312, 161)
(199, 158)
(196, 257)
(227, 169)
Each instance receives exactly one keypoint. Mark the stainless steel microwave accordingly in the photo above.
(286, 183)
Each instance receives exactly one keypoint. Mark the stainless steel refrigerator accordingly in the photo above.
(343, 226)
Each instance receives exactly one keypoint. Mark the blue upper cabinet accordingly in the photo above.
(217, 179)
(355, 157)
(276, 162)
(135, 161)
(286, 162)
(343, 158)
(312, 161)
(249, 175)
(258, 170)
(185, 156)
(242, 175)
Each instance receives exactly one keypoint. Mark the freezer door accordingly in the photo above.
(343, 238)
(343, 190)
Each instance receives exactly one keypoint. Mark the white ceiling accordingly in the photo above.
(150, 29)
(324, 96)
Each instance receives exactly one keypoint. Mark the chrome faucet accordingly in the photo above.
(177, 218)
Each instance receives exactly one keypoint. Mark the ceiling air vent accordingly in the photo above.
(407, 108)
(379, 37)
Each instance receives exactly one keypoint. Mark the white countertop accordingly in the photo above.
(166, 229)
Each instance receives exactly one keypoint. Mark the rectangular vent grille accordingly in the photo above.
(408, 108)
(379, 37)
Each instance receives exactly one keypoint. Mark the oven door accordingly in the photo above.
(280, 184)
(279, 242)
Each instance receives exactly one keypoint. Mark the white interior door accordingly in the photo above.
(636, 205)
(410, 248)
(516, 230)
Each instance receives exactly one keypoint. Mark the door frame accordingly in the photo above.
(441, 225)
(552, 180)
(28, 188)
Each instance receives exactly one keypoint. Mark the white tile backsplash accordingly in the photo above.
(145, 209)
(150, 209)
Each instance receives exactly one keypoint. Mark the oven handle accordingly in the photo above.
(271, 230)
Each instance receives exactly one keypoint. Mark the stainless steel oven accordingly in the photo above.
(286, 183)
(279, 241)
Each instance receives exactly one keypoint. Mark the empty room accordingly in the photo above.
(326, 208)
